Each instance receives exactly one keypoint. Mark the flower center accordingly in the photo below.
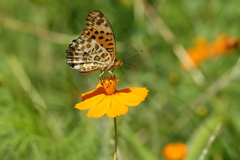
(109, 84)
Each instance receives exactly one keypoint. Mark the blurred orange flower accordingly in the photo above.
(204, 50)
(175, 151)
(105, 99)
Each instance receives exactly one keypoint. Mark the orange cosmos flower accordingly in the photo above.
(106, 99)
(223, 45)
(175, 151)
(204, 50)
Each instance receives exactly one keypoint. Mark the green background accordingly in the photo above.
(38, 90)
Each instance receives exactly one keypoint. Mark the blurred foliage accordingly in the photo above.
(38, 90)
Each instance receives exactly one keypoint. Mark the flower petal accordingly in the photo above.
(100, 108)
(92, 93)
(131, 96)
(117, 108)
(89, 103)
(140, 91)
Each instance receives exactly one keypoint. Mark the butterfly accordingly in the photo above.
(95, 49)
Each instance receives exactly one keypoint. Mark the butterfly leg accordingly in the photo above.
(102, 72)
(111, 73)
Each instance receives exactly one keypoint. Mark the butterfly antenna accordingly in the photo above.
(131, 64)
(133, 54)
(122, 73)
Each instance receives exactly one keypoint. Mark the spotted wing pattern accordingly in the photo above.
(86, 55)
(95, 49)
(99, 28)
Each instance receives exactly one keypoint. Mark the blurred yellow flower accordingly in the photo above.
(105, 99)
(175, 151)
(204, 50)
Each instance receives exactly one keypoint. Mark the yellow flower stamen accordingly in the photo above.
(109, 84)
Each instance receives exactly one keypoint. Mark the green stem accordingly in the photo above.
(115, 138)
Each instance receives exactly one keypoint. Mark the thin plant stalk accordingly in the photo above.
(115, 139)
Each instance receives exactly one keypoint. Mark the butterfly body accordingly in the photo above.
(95, 49)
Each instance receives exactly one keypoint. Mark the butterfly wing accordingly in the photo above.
(99, 29)
(95, 48)
(86, 55)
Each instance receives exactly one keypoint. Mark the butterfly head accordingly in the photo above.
(117, 63)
